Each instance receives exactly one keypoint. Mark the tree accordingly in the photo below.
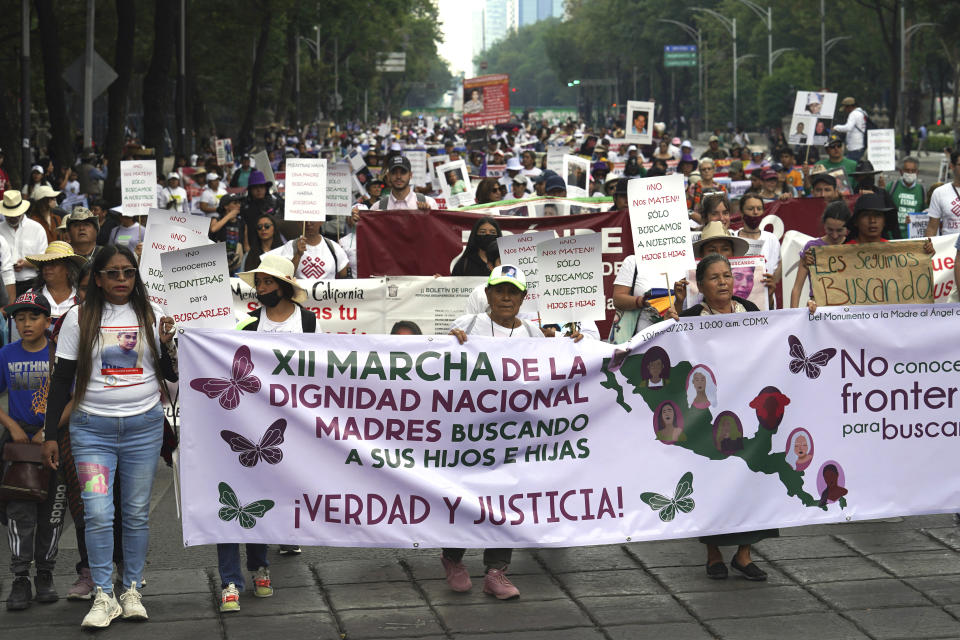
(156, 84)
(244, 139)
(61, 141)
(117, 96)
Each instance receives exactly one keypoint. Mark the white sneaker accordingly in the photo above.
(102, 612)
(131, 605)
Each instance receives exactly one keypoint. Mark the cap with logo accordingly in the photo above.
(33, 300)
(510, 274)
(398, 161)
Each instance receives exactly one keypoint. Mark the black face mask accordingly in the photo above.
(485, 242)
(269, 300)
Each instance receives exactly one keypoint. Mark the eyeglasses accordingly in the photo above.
(264, 227)
(115, 274)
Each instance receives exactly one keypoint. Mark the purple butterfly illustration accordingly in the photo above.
(229, 391)
(810, 365)
(267, 450)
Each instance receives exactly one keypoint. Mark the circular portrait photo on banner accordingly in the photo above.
(799, 449)
(728, 433)
(668, 423)
(831, 482)
(655, 368)
(701, 388)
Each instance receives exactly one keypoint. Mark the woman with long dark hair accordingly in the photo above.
(268, 237)
(114, 350)
(474, 261)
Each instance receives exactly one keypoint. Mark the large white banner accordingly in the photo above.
(418, 441)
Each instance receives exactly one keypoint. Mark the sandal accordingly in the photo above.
(750, 571)
(717, 571)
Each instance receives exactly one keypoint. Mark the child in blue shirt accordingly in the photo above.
(24, 374)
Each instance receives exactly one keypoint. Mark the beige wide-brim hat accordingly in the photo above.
(57, 250)
(715, 230)
(13, 203)
(43, 191)
(278, 268)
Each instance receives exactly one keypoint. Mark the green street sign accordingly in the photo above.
(679, 56)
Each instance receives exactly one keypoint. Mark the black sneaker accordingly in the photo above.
(20, 594)
(43, 583)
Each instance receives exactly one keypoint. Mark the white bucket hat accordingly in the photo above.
(278, 268)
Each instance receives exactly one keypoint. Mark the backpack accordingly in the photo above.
(627, 324)
(385, 199)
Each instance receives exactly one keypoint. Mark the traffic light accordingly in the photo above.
(513, 89)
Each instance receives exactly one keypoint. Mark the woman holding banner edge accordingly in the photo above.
(116, 428)
(506, 289)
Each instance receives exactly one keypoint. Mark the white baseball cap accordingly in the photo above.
(212, 176)
(508, 273)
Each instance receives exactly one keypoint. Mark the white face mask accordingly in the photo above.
(909, 178)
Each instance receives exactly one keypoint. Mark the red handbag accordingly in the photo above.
(24, 478)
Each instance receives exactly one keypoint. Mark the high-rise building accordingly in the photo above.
(531, 11)
(495, 25)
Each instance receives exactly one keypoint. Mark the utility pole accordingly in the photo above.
(182, 80)
(296, 86)
(26, 157)
(88, 77)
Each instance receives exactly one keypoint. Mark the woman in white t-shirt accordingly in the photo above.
(506, 289)
(114, 350)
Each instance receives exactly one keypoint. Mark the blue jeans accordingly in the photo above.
(228, 559)
(856, 155)
(104, 449)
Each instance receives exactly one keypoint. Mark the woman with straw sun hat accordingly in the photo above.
(59, 269)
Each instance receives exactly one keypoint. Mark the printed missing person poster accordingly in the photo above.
(576, 173)
(812, 117)
(455, 183)
(639, 125)
(486, 100)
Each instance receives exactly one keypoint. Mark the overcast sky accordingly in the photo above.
(457, 30)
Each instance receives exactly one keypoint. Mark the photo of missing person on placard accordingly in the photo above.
(821, 131)
(549, 209)
(121, 361)
(455, 183)
(816, 104)
(473, 100)
(576, 172)
(801, 130)
(639, 122)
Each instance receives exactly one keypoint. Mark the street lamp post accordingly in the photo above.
(731, 25)
(696, 35)
(824, 51)
(779, 52)
(315, 47)
(768, 16)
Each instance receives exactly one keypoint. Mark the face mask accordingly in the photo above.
(484, 242)
(752, 222)
(909, 178)
(269, 300)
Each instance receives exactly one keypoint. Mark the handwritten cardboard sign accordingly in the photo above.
(660, 224)
(138, 186)
(339, 189)
(306, 190)
(882, 149)
(571, 279)
(875, 273)
(197, 283)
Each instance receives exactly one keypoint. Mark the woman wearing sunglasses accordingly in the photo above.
(267, 237)
(114, 350)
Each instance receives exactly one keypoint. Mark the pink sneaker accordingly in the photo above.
(83, 588)
(457, 576)
(496, 583)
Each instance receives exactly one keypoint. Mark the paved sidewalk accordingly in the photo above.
(881, 580)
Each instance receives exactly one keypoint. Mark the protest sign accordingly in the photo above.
(917, 228)
(306, 190)
(660, 224)
(486, 100)
(747, 282)
(138, 186)
(576, 173)
(570, 279)
(373, 305)
(197, 286)
(738, 188)
(812, 117)
(639, 125)
(434, 162)
(262, 162)
(224, 149)
(167, 231)
(580, 444)
(455, 183)
(882, 149)
(555, 156)
(339, 190)
(875, 273)
(418, 166)
(520, 250)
